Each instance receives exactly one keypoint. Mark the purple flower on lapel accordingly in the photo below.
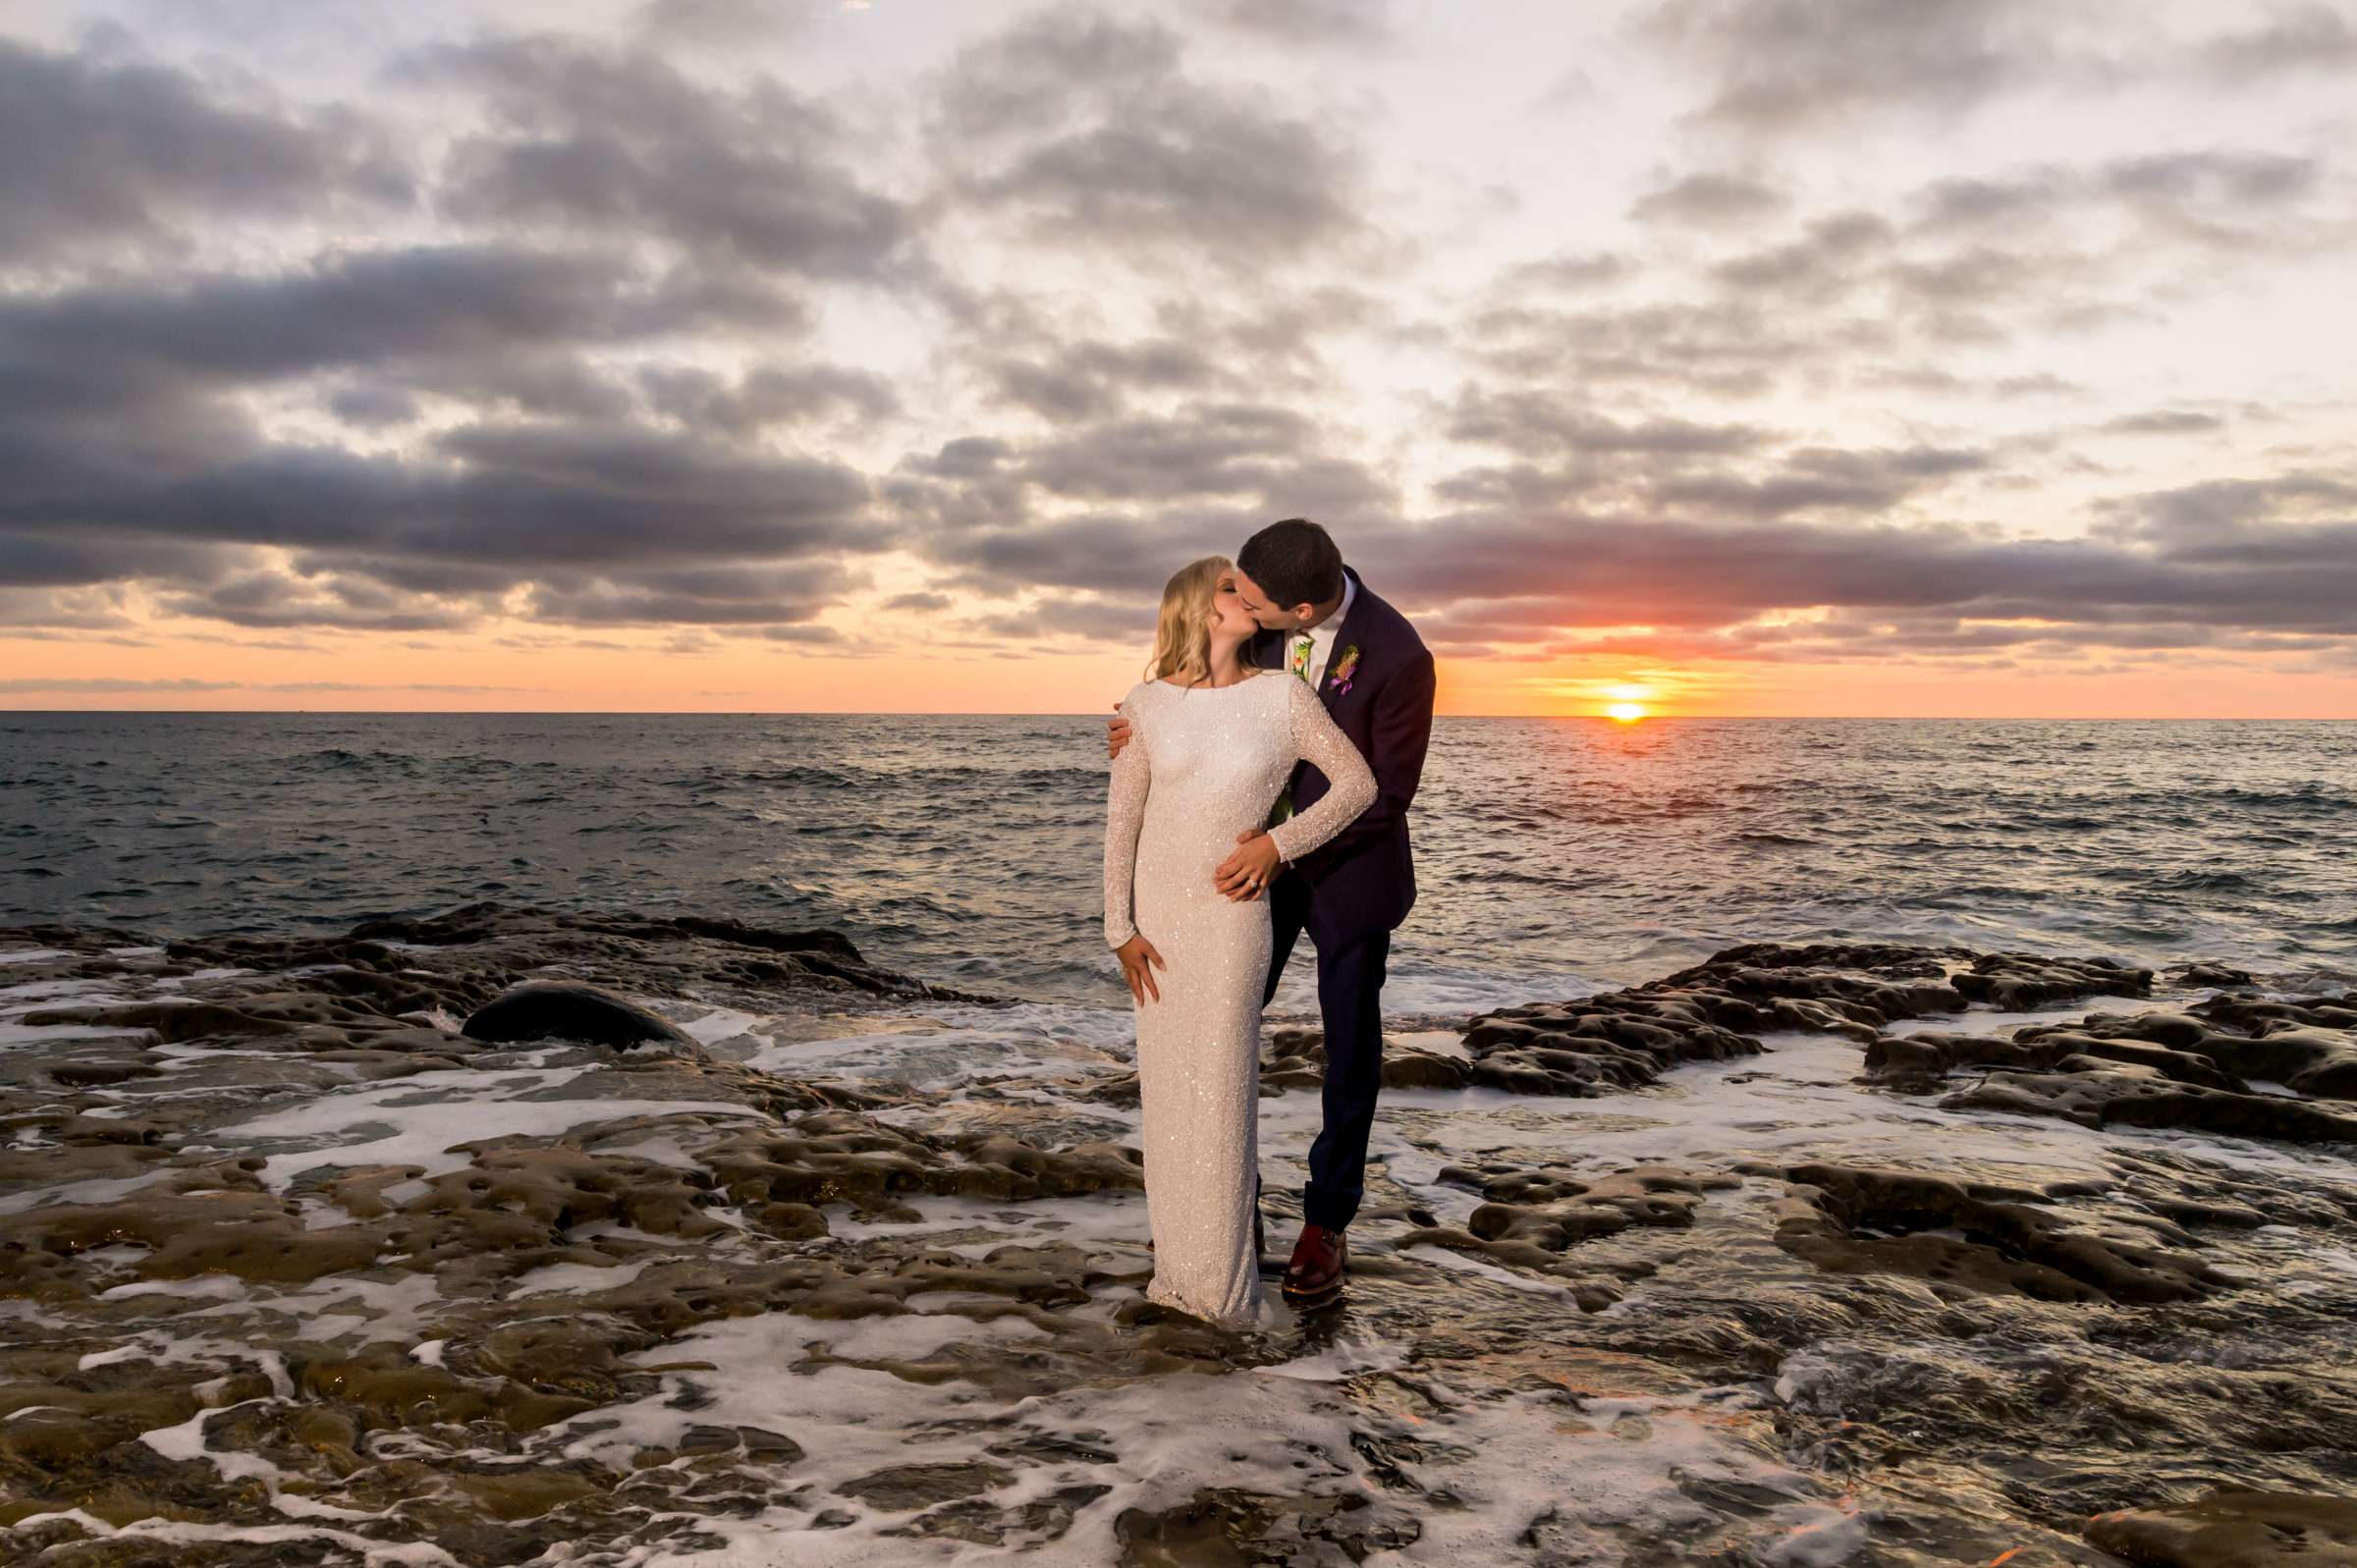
(1339, 677)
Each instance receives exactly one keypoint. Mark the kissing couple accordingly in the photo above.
(1261, 778)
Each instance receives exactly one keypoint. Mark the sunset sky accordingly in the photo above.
(1727, 357)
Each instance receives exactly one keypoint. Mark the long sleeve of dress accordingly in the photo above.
(1124, 817)
(1320, 741)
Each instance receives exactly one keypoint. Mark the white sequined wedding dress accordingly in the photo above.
(1203, 764)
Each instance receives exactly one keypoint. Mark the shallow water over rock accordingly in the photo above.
(1745, 1266)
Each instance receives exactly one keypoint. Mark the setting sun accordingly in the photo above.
(1626, 712)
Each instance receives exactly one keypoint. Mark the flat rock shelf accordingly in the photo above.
(720, 1244)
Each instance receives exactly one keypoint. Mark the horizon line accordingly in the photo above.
(917, 713)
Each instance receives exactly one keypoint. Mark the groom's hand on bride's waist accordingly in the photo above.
(1117, 732)
(1246, 874)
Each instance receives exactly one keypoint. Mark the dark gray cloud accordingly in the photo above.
(1709, 200)
(1089, 130)
(1821, 480)
(103, 149)
(1819, 265)
(715, 24)
(768, 396)
(2287, 41)
(720, 595)
(1091, 378)
(2263, 560)
(267, 600)
(2164, 422)
(1729, 347)
(604, 142)
(1779, 64)
(1355, 22)
(1540, 424)
(1570, 273)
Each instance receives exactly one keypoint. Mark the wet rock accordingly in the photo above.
(251, 1235)
(553, 1009)
(2235, 1529)
(1845, 988)
(2017, 982)
(845, 1157)
(2101, 1095)
(1221, 1524)
(2160, 1068)
(1972, 1237)
(1535, 1216)
(2220, 975)
(1601, 1044)
(2304, 1043)
(821, 959)
(903, 1488)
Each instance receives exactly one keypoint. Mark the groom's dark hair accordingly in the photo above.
(1294, 561)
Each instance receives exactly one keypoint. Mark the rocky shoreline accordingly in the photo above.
(516, 1236)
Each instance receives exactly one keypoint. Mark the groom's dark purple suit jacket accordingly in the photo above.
(1364, 878)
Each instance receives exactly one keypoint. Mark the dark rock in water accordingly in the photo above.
(1974, 1237)
(2212, 974)
(2019, 981)
(849, 1158)
(562, 1010)
(2154, 1069)
(2101, 1093)
(1238, 1528)
(2235, 1529)
(2304, 1043)
(1534, 1216)
(825, 958)
(1844, 988)
(1624, 1040)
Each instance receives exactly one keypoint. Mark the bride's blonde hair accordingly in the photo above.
(1182, 632)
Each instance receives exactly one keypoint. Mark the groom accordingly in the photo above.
(1320, 622)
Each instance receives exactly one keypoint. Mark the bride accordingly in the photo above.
(1214, 743)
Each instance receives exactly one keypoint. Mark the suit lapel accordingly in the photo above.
(1352, 626)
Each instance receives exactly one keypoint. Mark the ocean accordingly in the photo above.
(1971, 1225)
(966, 849)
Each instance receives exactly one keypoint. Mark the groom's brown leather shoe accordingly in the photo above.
(1315, 1274)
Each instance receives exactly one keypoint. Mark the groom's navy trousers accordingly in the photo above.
(1351, 893)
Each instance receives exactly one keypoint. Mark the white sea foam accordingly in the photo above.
(419, 1119)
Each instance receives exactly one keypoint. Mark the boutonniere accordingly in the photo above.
(1339, 677)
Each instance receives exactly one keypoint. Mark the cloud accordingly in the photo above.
(2164, 422)
(1092, 378)
(1775, 66)
(727, 595)
(1709, 200)
(1088, 131)
(2258, 565)
(718, 25)
(599, 142)
(1539, 425)
(113, 683)
(1353, 22)
(768, 396)
(113, 150)
(2294, 41)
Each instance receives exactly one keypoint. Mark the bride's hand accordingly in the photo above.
(1139, 961)
(1245, 875)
